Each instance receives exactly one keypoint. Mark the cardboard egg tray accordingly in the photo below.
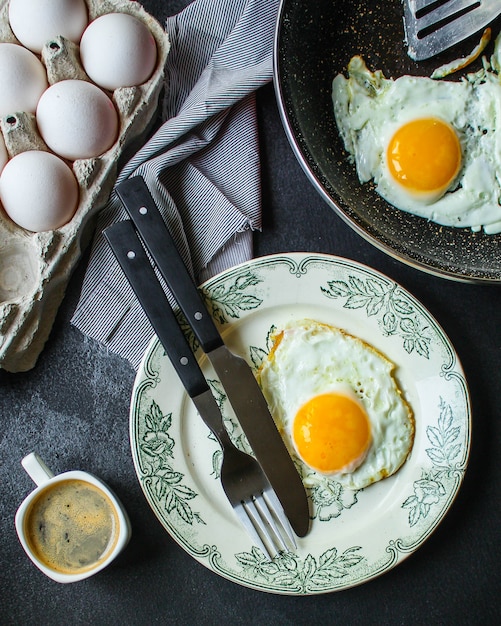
(35, 267)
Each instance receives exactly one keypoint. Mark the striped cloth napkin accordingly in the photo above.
(201, 166)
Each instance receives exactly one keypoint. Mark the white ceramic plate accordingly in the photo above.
(355, 535)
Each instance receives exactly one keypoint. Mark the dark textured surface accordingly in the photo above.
(316, 42)
(73, 409)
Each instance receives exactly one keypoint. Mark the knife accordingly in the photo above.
(237, 379)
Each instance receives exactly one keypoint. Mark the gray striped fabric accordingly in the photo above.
(201, 166)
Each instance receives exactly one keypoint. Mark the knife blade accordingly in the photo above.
(237, 379)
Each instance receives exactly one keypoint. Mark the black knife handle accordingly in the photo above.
(137, 200)
(136, 266)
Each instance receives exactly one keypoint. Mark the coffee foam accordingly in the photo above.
(72, 526)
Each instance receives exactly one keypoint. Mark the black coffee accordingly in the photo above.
(72, 526)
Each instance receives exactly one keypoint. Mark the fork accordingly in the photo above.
(432, 26)
(243, 480)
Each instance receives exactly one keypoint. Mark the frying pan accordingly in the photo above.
(315, 39)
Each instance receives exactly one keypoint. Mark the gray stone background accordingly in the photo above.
(72, 408)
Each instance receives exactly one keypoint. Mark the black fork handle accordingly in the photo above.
(136, 266)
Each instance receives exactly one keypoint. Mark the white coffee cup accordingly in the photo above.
(72, 525)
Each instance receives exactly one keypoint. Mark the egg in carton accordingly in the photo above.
(35, 267)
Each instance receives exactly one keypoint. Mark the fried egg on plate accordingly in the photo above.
(433, 148)
(336, 403)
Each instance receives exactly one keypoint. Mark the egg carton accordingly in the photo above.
(35, 267)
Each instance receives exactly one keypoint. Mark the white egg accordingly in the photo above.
(337, 404)
(23, 79)
(4, 156)
(432, 148)
(77, 120)
(35, 22)
(118, 50)
(38, 191)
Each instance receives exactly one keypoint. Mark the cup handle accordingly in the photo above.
(36, 468)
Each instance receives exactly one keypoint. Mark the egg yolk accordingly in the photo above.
(332, 433)
(424, 156)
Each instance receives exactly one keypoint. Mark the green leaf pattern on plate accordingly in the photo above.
(227, 302)
(304, 575)
(233, 429)
(430, 489)
(329, 498)
(166, 482)
(397, 315)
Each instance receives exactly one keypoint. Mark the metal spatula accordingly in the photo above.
(432, 26)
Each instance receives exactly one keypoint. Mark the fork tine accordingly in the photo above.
(265, 522)
(277, 512)
(251, 525)
(263, 528)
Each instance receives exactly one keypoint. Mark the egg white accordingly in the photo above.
(310, 358)
(369, 108)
